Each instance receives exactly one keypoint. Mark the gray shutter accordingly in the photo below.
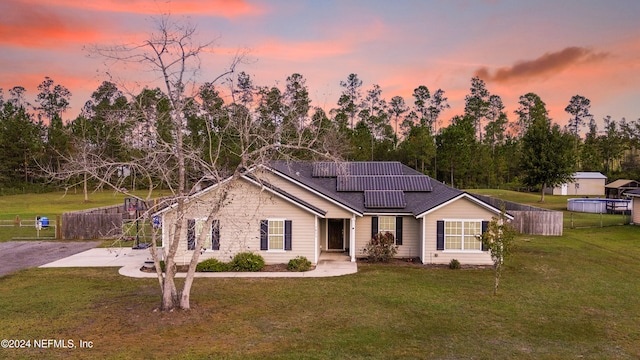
(399, 230)
(264, 235)
(287, 234)
(485, 226)
(215, 235)
(191, 234)
(374, 226)
(440, 235)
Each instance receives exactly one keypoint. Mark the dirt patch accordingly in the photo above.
(18, 255)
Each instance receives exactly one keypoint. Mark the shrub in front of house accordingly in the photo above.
(212, 265)
(299, 263)
(454, 264)
(381, 248)
(247, 261)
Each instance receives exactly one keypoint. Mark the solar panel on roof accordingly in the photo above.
(391, 199)
(333, 169)
(368, 182)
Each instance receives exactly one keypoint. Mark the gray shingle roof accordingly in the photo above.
(417, 199)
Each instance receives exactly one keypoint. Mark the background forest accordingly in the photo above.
(482, 148)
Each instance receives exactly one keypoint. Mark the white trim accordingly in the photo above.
(454, 251)
(312, 190)
(424, 239)
(262, 187)
(469, 197)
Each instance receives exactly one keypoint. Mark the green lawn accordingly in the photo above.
(561, 297)
(568, 297)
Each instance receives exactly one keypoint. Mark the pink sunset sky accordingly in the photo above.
(555, 49)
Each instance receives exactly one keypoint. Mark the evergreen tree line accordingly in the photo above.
(483, 147)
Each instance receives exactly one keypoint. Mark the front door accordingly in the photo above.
(336, 234)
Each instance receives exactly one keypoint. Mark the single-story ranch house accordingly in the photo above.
(290, 209)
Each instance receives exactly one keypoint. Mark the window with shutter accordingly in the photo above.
(195, 227)
(387, 224)
(276, 234)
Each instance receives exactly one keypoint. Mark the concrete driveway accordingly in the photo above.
(18, 255)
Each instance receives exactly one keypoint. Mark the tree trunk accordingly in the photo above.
(544, 186)
(496, 278)
(169, 292)
(451, 176)
(85, 190)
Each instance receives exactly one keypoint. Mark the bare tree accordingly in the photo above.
(172, 161)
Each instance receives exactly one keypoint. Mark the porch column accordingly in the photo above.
(316, 244)
(352, 238)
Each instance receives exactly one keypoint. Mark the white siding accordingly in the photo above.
(240, 219)
(459, 209)
(333, 210)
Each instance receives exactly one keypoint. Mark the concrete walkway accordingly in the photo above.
(130, 261)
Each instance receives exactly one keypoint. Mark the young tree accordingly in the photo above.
(498, 239)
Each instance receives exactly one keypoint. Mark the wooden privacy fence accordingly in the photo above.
(529, 219)
(98, 223)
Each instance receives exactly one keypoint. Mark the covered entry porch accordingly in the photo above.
(337, 235)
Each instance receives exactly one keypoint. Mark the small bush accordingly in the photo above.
(300, 263)
(247, 261)
(454, 264)
(381, 248)
(212, 265)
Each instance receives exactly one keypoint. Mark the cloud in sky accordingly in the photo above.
(25, 25)
(546, 64)
(398, 45)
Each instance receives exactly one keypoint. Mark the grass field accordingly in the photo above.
(568, 297)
